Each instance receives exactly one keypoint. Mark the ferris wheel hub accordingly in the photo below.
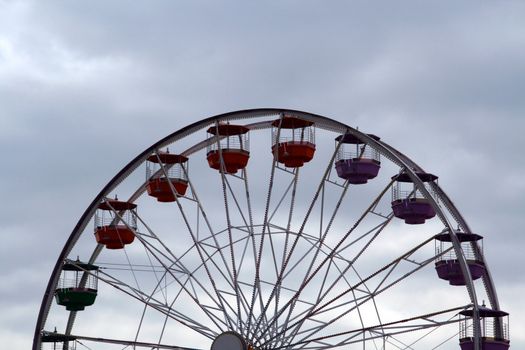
(229, 341)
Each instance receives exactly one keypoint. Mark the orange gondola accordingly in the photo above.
(167, 179)
(115, 223)
(228, 147)
(293, 141)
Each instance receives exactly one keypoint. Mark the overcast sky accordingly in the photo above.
(87, 85)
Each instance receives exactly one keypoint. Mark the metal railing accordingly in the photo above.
(241, 142)
(71, 345)
(107, 218)
(306, 134)
(174, 172)
(367, 153)
(466, 247)
(400, 191)
(73, 282)
(488, 328)
(404, 194)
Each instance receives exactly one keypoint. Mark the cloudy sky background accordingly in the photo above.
(86, 86)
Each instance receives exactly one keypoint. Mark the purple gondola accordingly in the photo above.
(356, 164)
(494, 329)
(447, 265)
(409, 204)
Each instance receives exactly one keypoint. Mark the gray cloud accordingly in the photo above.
(86, 87)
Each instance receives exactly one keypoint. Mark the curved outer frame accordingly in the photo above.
(406, 164)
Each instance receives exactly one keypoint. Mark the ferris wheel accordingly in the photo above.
(271, 229)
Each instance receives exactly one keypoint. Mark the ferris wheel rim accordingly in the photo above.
(324, 122)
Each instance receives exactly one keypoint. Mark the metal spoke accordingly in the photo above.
(350, 263)
(257, 291)
(395, 327)
(122, 342)
(156, 305)
(286, 260)
(309, 278)
(389, 267)
(222, 172)
(201, 252)
(220, 305)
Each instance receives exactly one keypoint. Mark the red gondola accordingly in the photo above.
(228, 147)
(293, 141)
(167, 179)
(115, 223)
